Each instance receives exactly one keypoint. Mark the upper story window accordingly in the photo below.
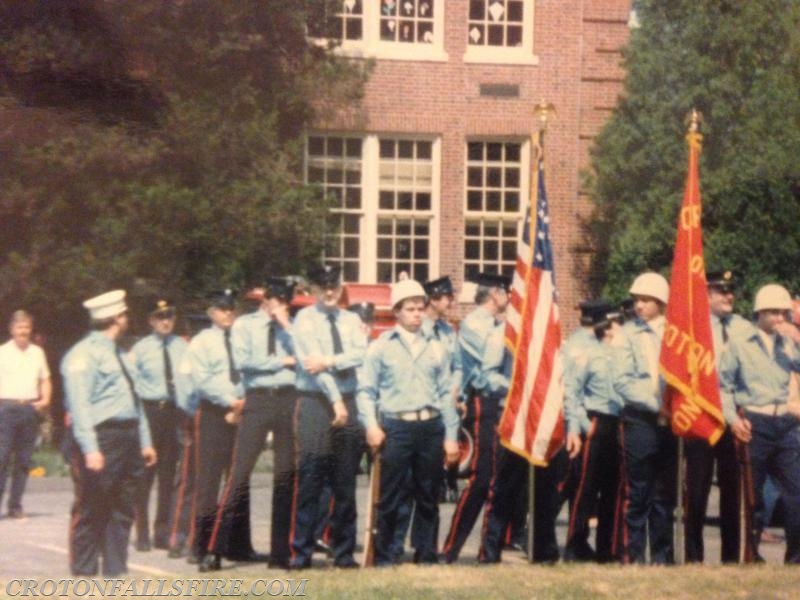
(389, 29)
(500, 31)
(496, 195)
(385, 201)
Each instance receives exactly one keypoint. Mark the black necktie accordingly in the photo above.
(724, 322)
(436, 331)
(337, 347)
(271, 339)
(136, 402)
(170, 381)
(337, 339)
(232, 372)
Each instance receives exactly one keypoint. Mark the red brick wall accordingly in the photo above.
(577, 43)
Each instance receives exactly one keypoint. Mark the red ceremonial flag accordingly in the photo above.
(687, 348)
(532, 424)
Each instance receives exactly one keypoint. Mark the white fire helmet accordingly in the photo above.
(651, 284)
(773, 296)
(407, 288)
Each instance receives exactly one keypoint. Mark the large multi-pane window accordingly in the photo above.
(410, 29)
(384, 203)
(500, 31)
(496, 196)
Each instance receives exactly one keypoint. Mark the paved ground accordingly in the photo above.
(36, 547)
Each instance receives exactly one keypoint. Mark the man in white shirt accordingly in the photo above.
(25, 391)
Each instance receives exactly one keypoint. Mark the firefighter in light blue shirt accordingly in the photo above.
(650, 449)
(484, 386)
(591, 397)
(263, 351)
(406, 404)
(221, 394)
(111, 440)
(758, 375)
(157, 358)
(329, 346)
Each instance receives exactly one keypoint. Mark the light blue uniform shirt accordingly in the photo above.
(449, 338)
(636, 375)
(96, 390)
(575, 355)
(749, 376)
(258, 369)
(593, 388)
(209, 368)
(393, 379)
(312, 335)
(482, 369)
(148, 357)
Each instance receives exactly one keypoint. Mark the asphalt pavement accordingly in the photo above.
(36, 546)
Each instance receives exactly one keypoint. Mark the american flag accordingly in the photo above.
(532, 424)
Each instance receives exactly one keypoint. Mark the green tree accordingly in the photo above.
(738, 62)
(156, 146)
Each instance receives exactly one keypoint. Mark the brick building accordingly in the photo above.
(431, 173)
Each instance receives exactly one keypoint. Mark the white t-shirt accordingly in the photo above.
(21, 371)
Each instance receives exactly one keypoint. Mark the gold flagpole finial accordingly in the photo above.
(693, 137)
(542, 112)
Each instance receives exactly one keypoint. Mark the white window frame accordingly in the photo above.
(498, 217)
(372, 46)
(517, 55)
(370, 211)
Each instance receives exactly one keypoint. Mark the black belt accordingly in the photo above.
(110, 424)
(161, 404)
(281, 389)
(16, 402)
(629, 412)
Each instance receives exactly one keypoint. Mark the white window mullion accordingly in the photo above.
(369, 221)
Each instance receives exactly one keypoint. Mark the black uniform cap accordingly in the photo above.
(595, 310)
(280, 288)
(326, 276)
(439, 287)
(493, 280)
(724, 281)
(159, 305)
(224, 299)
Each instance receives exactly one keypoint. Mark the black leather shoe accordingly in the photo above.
(299, 565)
(210, 562)
(253, 557)
(192, 559)
(346, 563)
(321, 546)
(176, 552)
(143, 545)
(161, 545)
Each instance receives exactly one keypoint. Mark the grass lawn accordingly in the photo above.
(559, 582)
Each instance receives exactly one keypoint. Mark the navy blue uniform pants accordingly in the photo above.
(597, 486)
(19, 427)
(650, 466)
(325, 453)
(700, 460)
(184, 486)
(102, 514)
(265, 410)
(511, 481)
(416, 448)
(483, 413)
(214, 446)
(775, 450)
(162, 418)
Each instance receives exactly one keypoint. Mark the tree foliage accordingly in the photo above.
(156, 146)
(738, 62)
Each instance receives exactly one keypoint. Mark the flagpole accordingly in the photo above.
(693, 137)
(542, 111)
